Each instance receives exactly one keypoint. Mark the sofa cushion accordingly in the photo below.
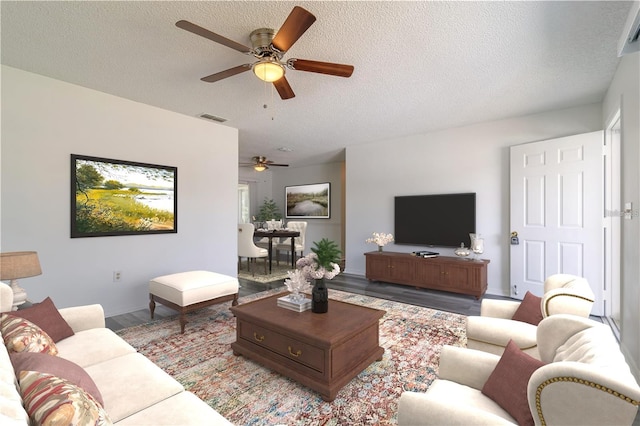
(93, 346)
(498, 331)
(530, 310)
(50, 400)
(507, 384)
(182, 409)
(131, 383)
(59, 367)
(46, 316)
(21, 335)
(467, 397)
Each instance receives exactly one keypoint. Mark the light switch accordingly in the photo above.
(628, 210)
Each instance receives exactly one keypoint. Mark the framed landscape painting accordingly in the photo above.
(116, 197)
(308, 201)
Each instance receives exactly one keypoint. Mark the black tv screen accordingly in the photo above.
(443, 220)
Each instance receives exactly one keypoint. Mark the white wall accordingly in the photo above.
(316, 228)
(624, 95)
(467, 159)
(43, 122)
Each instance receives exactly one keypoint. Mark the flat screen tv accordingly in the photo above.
(443, 220)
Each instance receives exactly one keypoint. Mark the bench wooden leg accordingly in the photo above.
(152, 305)
(184, 310)
(183, 322)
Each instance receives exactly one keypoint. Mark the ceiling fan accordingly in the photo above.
(269, 48)
(261, 163)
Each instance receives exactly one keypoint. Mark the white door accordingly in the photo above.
(557, 212)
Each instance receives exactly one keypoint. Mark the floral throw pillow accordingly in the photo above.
(50, 400)
(21, 335)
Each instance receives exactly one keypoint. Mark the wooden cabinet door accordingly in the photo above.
(402, 269)
(428, 273)
(456, 275)
(378, 268)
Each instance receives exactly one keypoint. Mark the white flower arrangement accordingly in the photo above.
(311, 270)
(381, 239)
(296, 283)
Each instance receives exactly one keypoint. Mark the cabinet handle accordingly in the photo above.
(258, 338)
(296, 354)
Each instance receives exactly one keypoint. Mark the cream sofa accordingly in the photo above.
(135, 391)
(585, 380)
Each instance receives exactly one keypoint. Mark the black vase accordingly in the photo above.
(319, 297)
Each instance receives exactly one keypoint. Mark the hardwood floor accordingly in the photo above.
(451, 302)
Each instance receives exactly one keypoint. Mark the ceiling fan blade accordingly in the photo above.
(329, 68)
(227, 73)
(284, 89)
(298, 21)
(196, 29)
(271, 163)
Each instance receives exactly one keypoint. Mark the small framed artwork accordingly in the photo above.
(308, 201)
(116, 197)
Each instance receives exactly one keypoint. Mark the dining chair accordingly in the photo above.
(285, 244)
(247, 248)
(271, 225)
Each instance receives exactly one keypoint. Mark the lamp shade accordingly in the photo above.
(259, 168)
(268, 71)
(19, 264)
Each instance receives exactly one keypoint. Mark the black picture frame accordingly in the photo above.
(116, 197)
(309, 201)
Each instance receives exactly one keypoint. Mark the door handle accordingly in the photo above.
(514, 239)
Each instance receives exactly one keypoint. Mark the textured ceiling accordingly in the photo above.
(419, 66)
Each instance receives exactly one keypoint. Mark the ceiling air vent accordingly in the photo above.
(212, 118)
(630, 39)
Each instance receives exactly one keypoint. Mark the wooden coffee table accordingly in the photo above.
(321, 351)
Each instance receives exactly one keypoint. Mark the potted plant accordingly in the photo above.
(321, 263)
(268, 210)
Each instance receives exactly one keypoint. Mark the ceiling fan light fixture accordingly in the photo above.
(268, 70)
(259, 167)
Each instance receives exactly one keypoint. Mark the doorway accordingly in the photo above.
(612, 222)
(244, 203)
(556, 206)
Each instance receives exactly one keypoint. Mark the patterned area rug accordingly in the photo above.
(278, 272)
(249, 394)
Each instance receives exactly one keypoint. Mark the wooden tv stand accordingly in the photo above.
(444, 273)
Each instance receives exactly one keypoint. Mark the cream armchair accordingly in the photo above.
(492, 330)
(585, 381)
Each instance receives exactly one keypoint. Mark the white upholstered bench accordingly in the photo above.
(188, 291)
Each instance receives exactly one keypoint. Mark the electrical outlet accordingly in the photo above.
(117, 276)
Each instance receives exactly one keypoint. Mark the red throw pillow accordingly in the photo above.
(507, 384)
(46, 316)
(529, 309)
(59, 367)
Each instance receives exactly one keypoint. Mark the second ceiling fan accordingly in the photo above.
(260, 163)
(269, 48)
